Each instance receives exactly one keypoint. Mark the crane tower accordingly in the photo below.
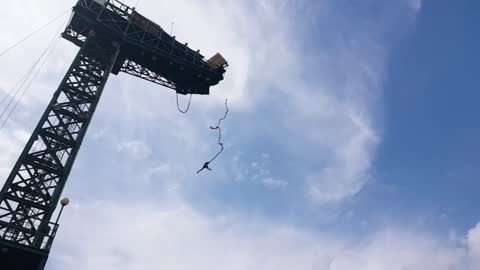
(113, 38)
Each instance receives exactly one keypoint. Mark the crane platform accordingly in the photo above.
(146, 50)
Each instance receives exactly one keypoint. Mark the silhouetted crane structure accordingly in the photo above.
(112, 38)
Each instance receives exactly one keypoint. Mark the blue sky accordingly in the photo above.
(350, 143)
(430, 134)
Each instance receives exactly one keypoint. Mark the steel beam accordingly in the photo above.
(33, 188)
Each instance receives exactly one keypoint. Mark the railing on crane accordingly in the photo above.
(162, 58)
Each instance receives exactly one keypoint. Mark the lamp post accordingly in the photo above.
(64, 202)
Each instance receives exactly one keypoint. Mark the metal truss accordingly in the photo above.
(142, 72)
(142, 42)
(136, 29)
(113, 37)
(32, 191)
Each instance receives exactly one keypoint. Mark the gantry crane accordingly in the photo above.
(113, 38)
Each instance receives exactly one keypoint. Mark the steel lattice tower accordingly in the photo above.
(112, 37)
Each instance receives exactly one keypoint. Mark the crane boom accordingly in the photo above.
(154, 52)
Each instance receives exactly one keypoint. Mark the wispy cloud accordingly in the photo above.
(258, 171)
(11, 144)
(304, 119)
(177, 237)
(416, 5)
(135, 149)
(318, 104)
(274, 183)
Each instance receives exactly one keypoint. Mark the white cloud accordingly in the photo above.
(326, 96)
(346, 174)
(11, 144)
(263, 46)
(135, 149)
(123, 237)
(164, 177)
(21, 135)
(274, 183)
(20, 59)
(416, 5)
(473, 242)
(324, 120)
(257, 171)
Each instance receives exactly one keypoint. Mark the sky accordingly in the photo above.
(350, 142)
